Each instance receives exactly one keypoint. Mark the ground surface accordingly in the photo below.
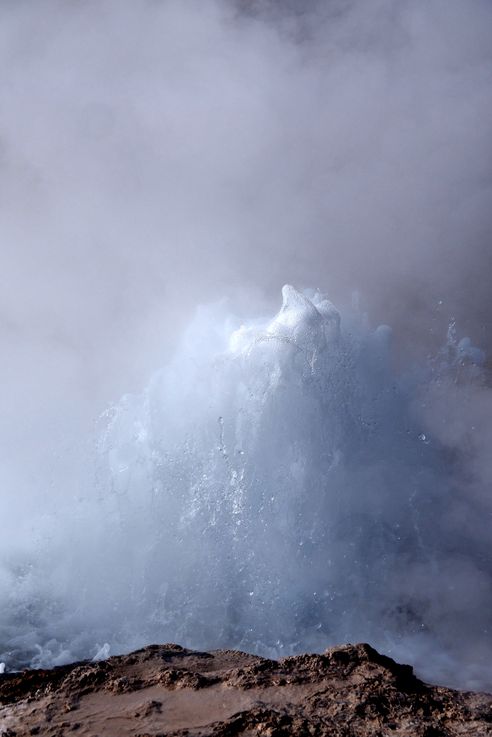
(167, 690)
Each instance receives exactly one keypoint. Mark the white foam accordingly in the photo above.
(102, 652)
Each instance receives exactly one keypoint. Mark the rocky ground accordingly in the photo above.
(166, 690)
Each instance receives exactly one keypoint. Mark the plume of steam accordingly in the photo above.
(154, 155)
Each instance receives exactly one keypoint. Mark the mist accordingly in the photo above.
(158, 156)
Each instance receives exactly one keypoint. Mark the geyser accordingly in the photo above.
(275, 488)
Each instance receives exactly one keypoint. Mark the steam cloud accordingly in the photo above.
(158, 155)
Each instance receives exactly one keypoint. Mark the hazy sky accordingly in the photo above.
(157, 154)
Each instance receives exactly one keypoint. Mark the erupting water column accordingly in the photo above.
(273, 490)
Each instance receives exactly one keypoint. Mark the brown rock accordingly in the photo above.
(166, 690)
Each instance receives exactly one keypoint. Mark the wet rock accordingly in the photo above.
(348, 691)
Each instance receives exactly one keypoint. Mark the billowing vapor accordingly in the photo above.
(157, 156)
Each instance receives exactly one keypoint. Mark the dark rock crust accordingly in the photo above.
(168, 691)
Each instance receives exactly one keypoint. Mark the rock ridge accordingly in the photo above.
(170, 691)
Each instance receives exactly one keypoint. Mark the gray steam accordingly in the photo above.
(155, 156)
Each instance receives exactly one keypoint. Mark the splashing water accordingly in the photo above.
(274, 489)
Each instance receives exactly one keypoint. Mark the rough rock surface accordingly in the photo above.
(166, 690)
